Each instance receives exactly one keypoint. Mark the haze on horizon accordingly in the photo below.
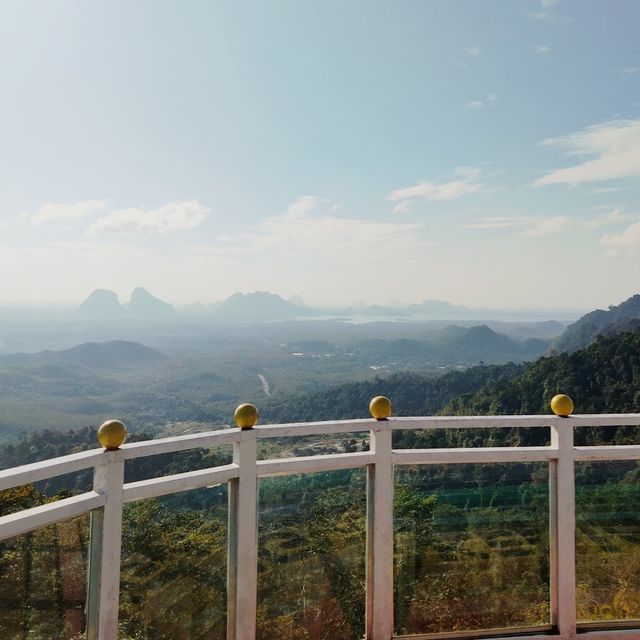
(487, 154)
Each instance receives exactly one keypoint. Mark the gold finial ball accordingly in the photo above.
(562, 405)
(246, 416)
(380, 407)
(112, 434)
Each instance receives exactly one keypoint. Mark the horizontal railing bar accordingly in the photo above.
(311, 464)
(15, 524)
(78, 461)
(45, 469)
(609, 625)
(314, 428)
(610, 634)
(614, 452)
(178, 443)
(495, 634)
(471, 455)
(155, 487)
(489, 422)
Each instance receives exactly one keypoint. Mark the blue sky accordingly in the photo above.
(486, 153)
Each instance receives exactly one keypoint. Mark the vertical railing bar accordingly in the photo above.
(232, 558)
(245, 545)
(381, 584)
(370, 524)
(96, 534)
(553, 542)
(104, 553)
(565, 548)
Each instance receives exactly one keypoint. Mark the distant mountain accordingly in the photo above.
(144, 304)
(101, 303)
(379, 310)
(483, 343)
(259, 306)
(436, 307)
(624, 317)
(297, 300)
(94, 355)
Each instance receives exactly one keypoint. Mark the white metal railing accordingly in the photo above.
(105, 503)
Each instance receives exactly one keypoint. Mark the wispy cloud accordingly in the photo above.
(631, 71)
(472, 51)
(173, 216)
(402, 207)
(466, 183)
(542, 49)
(524, 226)
(491, 99)
(626, 243)
(303, 206)
(545, 227)
(615, 216)
(615, 145)
(546, 10)
(305, 228)
(56, 212)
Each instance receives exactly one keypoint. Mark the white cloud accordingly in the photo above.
(402, 207)
(615, 216)
(547, 10)
(545, 227)
(473, 51)
(601, 190)
(615, 145)
(303, 231)
(626, 243)
(491, 99)
(437, 191)
(526, 226)
(52, 212)
(542, 49)
(303, 205)
(498, 222)
(173, 216)
(630, 71)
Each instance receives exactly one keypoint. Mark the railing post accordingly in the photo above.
(105, 542)
(242, 562)
(563, 531)
(379, 610)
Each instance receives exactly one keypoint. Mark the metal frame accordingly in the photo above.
(105, 503)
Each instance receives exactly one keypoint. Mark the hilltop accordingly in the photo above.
(93, 355)
(259, 306)
(623, 317)
(103, 304)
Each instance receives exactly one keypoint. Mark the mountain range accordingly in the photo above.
(258, 306)
(104, 304)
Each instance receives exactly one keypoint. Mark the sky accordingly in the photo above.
(485, 153)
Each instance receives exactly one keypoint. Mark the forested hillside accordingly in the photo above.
(411, 394)
(605, 377)
(580, 334)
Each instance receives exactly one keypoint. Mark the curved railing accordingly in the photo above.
(105, 504)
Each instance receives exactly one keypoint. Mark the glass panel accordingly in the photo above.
(608, 541)
(471, 547)
(43, 577)
(311, 563)
(174, 567)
